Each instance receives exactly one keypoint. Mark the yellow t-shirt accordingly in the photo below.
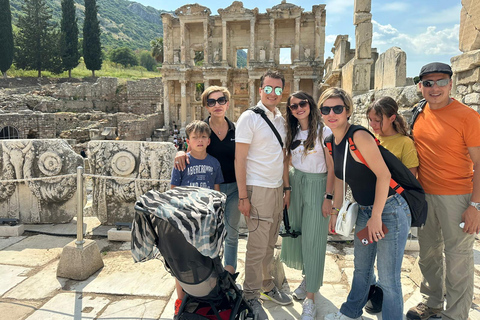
(442, 138)
(402, 147)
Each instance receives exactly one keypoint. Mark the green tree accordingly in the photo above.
(37, 41)
(69, 37)
(6, 37)
(92, 48)
(124, 56)
(147, 61)
(157, 49)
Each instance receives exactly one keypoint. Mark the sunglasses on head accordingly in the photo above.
(212, 102)
(301, 104)
(269, 89)
(336, 109)
(440, 83)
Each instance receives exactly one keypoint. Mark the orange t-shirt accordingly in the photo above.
(442, 137)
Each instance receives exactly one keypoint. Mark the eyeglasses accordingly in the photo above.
(269, 89)
(212, 102)
(440, 83)
(336, 109)
(302, 104)
(295, 144)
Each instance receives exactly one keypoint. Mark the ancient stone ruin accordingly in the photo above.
(46, 123)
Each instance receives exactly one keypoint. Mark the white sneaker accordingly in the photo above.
(301, 292)
(340, 316)
(309, 310)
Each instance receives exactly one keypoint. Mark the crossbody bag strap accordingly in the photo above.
(393, 184)
(270, 124)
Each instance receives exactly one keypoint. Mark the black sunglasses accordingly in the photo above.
(212, 102)
(336, 109)
(440, 83)
(295, 144)
(302, 104)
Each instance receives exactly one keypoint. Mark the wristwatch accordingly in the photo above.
(476, 205)
(328, 196)
(287, 188)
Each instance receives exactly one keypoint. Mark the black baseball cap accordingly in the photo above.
(435, 67)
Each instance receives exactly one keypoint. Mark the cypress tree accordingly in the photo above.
(37, 40)
(92, 49)
(69, 37)
(6, 37)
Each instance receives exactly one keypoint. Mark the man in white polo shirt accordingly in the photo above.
(260, 172)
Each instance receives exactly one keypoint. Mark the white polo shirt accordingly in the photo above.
(265, 155)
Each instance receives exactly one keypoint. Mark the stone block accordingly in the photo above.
(12, 231)
(79, 263)
(119, 235)
(476, 87)
(468, 77)
(469, 35)
(356, 76)
(465, 61)
(391, 69)
(472, 98)
(363, 40)
(362, 5)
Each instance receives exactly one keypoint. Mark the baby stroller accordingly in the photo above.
(185, 226)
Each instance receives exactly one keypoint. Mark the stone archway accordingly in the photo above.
(9, 132)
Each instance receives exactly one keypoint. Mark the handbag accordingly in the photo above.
(347, 216)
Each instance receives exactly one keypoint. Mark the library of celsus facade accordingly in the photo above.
(201, 49)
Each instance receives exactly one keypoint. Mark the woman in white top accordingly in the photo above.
(311, 178)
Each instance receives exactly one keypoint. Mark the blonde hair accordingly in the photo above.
(198, 127)
(337, 93)
(213, 89)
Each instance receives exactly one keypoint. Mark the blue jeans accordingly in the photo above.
(396, 216)
(232, 217)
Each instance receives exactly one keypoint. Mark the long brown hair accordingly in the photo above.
(315, 123)
(388, 107)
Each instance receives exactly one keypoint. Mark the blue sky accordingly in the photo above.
(426, 30)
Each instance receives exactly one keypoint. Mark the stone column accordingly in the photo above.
(183, 106)
(363, 29)
(166, 104)
(252, 39)
(315, 90)
(224, 42)
(272, 40)
(320, 22)
(205, 42)
(206, 84)
(296, 84)
(296, 55)
(167, 38)
(252, 90)
(182, 43)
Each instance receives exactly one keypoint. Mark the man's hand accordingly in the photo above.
(471, 217)
(244, 206)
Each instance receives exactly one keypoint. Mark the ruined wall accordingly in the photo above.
(139, 129)
(30, 124)
(124, 170)
(466, 67)
(38, 180)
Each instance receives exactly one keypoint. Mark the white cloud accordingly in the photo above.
(393, 6)
(330, 38)
(339, 6)
(432, 41)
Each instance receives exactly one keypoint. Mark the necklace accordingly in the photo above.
(214, 127)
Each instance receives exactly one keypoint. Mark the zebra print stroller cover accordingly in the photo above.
(196, 212)
(185, 227)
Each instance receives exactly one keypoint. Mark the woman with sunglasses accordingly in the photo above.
(378, 204)
(311, 178)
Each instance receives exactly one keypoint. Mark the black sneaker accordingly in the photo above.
(257, 309)
(375, 300)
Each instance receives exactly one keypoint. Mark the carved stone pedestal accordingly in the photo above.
(79, 262)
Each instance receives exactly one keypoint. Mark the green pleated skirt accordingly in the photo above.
(307, 252)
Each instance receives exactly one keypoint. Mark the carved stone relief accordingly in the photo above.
(124, 170)
(39, 180)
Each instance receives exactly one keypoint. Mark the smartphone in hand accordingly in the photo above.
(363, 234)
